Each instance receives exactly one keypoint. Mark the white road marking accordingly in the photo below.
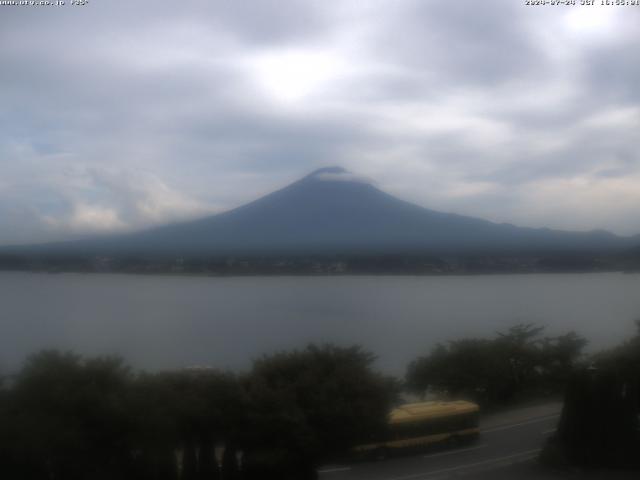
(470, 465)
(525, 456)
(514, 425)
(452, 452)
(334, 470)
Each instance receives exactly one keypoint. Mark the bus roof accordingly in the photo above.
(414, 412)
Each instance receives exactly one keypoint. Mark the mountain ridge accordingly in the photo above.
(332, 210)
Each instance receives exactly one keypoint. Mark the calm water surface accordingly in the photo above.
(168, 321)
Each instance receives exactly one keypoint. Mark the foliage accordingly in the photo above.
(317, 402)
(495, 371)
(599, 426)
(72, 418)
(333, 388)
(67, 417)
(186, 412)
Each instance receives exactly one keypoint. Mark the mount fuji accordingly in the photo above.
(333, 211)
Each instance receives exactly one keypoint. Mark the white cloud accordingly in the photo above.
(342, 177)
(291, 75)
(166, 114)
(87, 219)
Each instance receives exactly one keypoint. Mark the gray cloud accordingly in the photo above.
(122, 114)
(466, 43)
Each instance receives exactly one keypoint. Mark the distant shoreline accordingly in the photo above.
(388, 264)
(317, 275)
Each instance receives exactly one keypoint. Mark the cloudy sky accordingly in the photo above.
(119, 115)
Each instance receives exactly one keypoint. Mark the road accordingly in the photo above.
(507, 439)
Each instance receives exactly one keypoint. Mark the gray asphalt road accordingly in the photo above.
(498, 446)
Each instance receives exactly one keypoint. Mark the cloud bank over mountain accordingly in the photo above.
(330, 212)
(123, 115)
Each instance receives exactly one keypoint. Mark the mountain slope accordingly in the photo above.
(332, 211)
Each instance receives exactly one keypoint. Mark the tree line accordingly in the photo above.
(67, 417)
(516, 364)
(64, 416)
(600, 422)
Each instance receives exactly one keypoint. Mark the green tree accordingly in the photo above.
(73, 418)
(599, 424)
(67, 418)
(186, 412)
(314, 405)
(498, 370)
(558, 359)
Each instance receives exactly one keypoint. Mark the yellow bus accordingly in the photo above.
(417, 426)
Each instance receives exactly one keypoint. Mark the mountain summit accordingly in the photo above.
(333, 210)
(335, 170)
(335, 174)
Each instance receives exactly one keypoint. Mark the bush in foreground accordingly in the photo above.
(72, 418)
(496, 371)
(600, 426)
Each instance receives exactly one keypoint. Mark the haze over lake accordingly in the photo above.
(159, 322)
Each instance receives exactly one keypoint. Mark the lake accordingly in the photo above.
(158, 322)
